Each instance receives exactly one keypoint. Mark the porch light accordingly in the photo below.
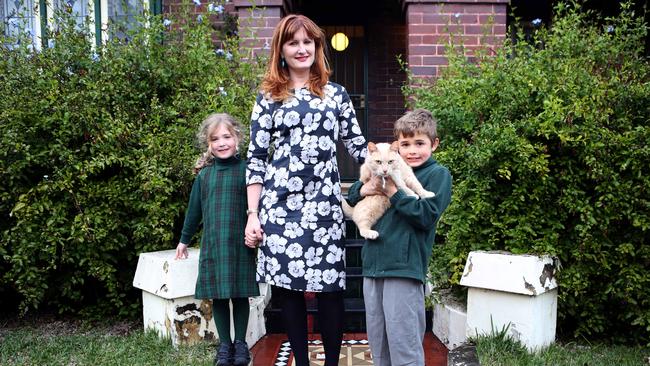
(340, 41)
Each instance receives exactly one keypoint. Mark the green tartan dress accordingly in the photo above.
(218, 199)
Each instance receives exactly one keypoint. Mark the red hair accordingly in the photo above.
(276, 79)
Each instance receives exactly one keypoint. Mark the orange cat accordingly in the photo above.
(384, 161)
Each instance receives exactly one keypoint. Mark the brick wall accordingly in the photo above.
(256, 23)
(385, 100)
(432, 24)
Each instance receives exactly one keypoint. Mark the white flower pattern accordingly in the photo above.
(300, 205)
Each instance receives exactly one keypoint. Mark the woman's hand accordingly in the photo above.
(181, 251)
(253, 232)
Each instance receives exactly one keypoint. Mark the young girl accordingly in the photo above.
(226, 265)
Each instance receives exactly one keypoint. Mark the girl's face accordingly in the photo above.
(222, 143)
(299, 52)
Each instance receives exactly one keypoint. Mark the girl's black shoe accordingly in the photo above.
(225, 354)
(242, 354)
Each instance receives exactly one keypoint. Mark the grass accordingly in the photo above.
(500, 350)
(85, 345)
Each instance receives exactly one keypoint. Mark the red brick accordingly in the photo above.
(429, 18)
(434, 60)
(449, 29)
(479, 9)
(478, 29)
(414, 17)
(422, 50)
(492, 18)
(422, 29)
(415, 39)
(414, 60)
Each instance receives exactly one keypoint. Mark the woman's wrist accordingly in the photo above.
(252, 211)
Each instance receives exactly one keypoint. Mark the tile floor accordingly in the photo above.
(266, 349)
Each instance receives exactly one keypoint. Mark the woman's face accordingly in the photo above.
(299, 51)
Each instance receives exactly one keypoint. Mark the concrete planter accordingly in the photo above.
(169, 306)
(513, 292)
(450, 322)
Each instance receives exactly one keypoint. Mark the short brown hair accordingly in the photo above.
(276, 79)
(414, 122)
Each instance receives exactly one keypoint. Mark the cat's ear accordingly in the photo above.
(372, 147)
(395, 146)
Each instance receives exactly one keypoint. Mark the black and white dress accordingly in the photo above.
(300, 205)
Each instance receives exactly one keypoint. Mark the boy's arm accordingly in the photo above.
(354, 193)
(424, 213)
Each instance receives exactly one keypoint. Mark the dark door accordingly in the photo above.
(349, 70)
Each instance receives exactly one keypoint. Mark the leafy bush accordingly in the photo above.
(548, 144)
(97, 149)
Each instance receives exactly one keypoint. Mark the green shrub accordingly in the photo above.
(96, 154)
(548, 143)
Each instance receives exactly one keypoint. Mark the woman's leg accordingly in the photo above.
(294, 314)
(330, 321)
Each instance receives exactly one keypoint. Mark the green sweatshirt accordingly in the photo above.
(407, 230)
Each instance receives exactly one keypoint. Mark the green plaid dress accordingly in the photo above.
(226, 264)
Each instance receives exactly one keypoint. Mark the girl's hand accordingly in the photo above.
(181, 251)
(253, 232)
(372, 187)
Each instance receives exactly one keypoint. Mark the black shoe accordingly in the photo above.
(242, 354)
(225, 354)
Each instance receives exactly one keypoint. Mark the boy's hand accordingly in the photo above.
(372, 187)
(181, 251)
(389, 188)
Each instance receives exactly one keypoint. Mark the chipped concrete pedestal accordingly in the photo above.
(513, 292)
(169, 306)
(450, 322)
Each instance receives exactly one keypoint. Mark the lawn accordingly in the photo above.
(71, 342)
(500, 351)
(66, 343)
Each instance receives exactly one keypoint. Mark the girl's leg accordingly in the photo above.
(221, 313)
(240, 313)
(330, 320)
(294, 314)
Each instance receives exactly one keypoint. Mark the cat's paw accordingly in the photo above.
(369, 234)
(427, 194)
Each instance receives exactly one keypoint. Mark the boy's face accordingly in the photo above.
(417, 149)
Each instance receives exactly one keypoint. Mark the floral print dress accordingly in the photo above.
(300, 205)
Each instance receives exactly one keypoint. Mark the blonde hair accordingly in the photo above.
(209, 124)
(276, 79)
(415, 122)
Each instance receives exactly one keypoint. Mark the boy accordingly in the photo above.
(395, 264)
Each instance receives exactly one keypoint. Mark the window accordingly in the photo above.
(19, 17)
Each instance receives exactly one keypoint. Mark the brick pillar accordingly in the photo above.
(257, 19)
(431, 23)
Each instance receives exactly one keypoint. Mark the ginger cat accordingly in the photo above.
(383, 161)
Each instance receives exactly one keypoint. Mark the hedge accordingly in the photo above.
(96, 153)
(548, 143)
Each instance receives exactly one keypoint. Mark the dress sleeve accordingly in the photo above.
(193, 215)
(260, 139)
(351, 135)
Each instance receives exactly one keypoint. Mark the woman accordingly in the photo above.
(294, 197)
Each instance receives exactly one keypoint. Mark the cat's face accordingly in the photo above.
(382, 158)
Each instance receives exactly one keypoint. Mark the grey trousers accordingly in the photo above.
(395, 320)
